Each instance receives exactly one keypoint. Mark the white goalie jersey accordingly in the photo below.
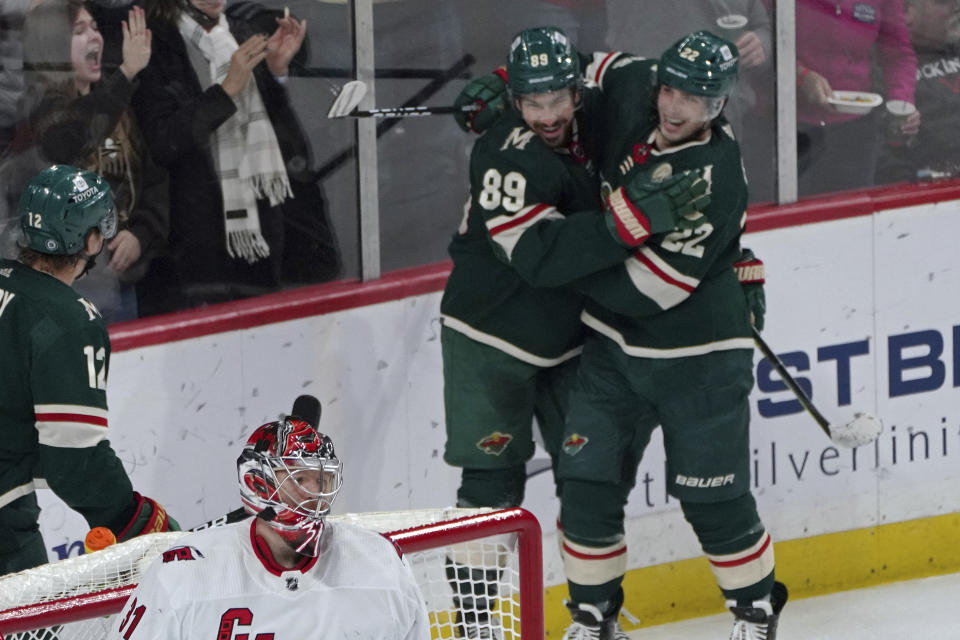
(223, 584)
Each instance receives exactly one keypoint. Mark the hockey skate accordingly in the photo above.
(757, 620)
(471, 624)
(475, 593)
(589, 624)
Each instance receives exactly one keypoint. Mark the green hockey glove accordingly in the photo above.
(643, 208)
(490, 92)
(148, 517)
(750, 273)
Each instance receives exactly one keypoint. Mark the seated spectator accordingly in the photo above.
(837, 41)
(72, 115)
(934, 27)
(246, 215)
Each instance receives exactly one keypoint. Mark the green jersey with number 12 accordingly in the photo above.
(53, 398)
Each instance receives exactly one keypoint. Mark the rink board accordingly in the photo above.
(863, 309)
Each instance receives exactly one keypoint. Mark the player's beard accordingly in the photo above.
(557, 140)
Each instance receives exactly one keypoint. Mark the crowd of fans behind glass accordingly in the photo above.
(154, 97)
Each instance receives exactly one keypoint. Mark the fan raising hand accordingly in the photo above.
(136, 43)
(284, 44)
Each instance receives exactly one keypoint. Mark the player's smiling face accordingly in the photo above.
(682, 115)
(550, 115)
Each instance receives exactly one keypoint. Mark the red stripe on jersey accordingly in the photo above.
(535, 211)
(659, 272)
(71, 417)
(603, 66)
(746, 559)
(589, 556)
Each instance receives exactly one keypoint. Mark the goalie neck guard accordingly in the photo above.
(289, 476)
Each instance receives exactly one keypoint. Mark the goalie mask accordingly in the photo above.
(289, 477)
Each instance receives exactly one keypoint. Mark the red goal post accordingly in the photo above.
(87, 588)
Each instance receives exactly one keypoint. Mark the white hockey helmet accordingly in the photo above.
(289, 476)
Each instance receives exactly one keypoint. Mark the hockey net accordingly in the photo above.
(480, 572)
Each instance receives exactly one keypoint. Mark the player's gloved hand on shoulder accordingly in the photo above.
(490, 93)
(643, 208)
(148, 517)
(750, 273)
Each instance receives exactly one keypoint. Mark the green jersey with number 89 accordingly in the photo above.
(512, 256)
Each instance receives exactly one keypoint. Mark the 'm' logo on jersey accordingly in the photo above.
(181, 553)
(573, 444)
(5, 298)
(495, 443)
(519, 137)
(91, 308)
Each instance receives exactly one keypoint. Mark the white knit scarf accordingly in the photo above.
(249, 162)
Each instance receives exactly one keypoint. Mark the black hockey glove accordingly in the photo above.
(750, 273)
(643, 208)
(490, 92)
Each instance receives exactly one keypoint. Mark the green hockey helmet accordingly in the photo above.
(700, 63)
(541, 60)
(60, 205)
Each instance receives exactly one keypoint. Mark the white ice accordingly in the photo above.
(925, 608)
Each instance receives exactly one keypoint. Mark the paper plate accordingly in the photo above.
(854, 101)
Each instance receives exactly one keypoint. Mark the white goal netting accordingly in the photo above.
(480, 573)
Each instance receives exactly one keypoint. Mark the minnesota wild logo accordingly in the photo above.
(573, 444)
(495, 443)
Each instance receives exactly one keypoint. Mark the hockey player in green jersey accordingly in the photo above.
(511, 329)
(56, 352)
(670, 335)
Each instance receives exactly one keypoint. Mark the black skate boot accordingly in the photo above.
(475, 592)
(757, 620)
(589, 623)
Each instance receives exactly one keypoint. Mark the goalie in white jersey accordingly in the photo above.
(288, 574)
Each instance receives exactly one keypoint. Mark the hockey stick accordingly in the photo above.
(354, 91)
(305, 407)
(863, 429)
(236, 515)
